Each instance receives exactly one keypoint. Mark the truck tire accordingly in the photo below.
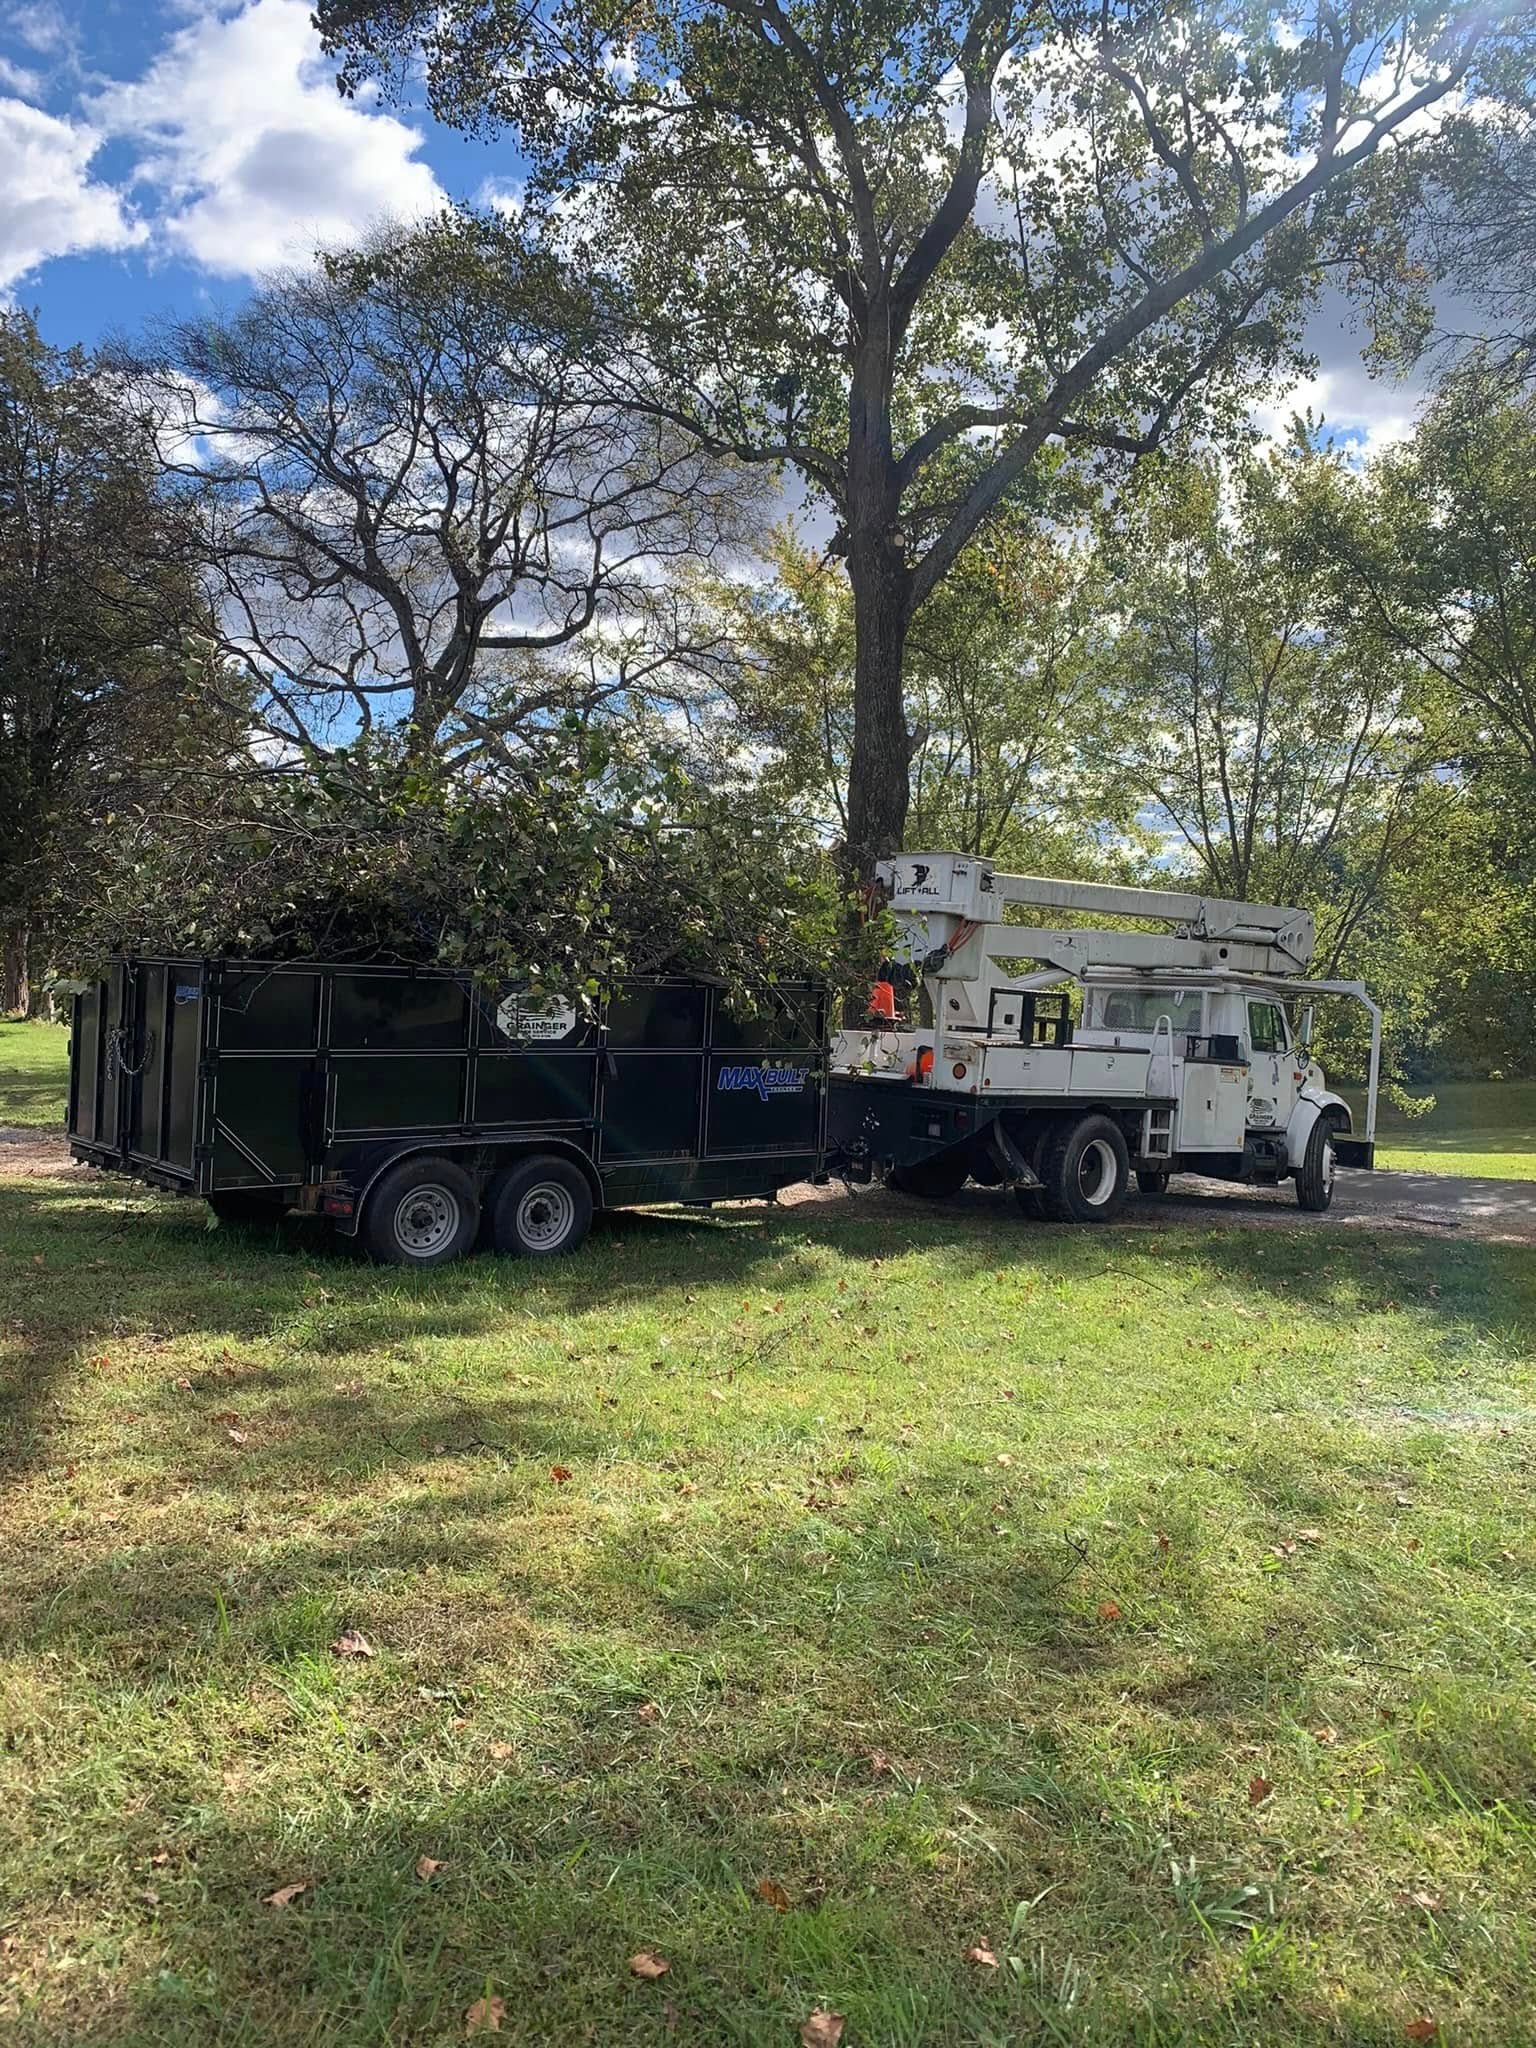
(1314, 1176)
(245, 1206)
(932, 1180)
(541, 1208)
(1152, 1180)
(1087, 1171)
(423, 1212)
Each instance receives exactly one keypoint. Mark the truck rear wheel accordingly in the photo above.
(541, 1208)
(933, 1180)
(423, 1212)
(1087, 1171)
(1314, 1177)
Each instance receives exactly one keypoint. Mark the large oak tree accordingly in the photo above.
(927, 255)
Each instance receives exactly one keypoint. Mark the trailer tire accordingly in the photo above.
(1087, 1171)
(1314, 1177)
(931, 1180)
(541, 1209)
(1153, 1180)
(241, 1206)
(423, 1212)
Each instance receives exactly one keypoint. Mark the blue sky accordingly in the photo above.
(157, 155)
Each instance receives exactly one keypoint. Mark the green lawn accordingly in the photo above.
(1151, 1608)
(1477, 1127)
(34, 1074)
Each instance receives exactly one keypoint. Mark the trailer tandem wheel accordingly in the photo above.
(541, 1208)
(423, 1212)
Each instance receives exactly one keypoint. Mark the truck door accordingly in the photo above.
(1272, 1083)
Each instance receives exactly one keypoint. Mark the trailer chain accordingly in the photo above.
(115, 1057)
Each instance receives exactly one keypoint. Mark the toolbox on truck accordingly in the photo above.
(276, 1085)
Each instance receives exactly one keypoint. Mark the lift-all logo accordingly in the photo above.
(761, 1080)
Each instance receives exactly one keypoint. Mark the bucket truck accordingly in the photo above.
(1148, 1032)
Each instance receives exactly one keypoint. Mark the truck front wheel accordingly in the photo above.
(1314, 1177)
(423, 1212)
(1087, 1171)
(541, 1208)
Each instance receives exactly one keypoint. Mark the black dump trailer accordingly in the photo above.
(424, 1113)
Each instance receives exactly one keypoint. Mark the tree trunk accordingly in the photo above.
(15, 992)
(879, 771)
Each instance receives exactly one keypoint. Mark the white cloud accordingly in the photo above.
(41, 25)
(27, 85)
(255, 157)
(1360, 414)
(52, 205)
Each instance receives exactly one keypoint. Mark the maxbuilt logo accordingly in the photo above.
(760, 1080)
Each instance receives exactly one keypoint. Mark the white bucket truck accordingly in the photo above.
(1156, 1032)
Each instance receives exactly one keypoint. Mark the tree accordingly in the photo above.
(413, 505)
(95, 591)
(1011, 716)
(1438, 551)
(934, 257)
(1282, 758)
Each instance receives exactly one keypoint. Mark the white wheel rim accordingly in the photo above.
(1327, 1163)
(1096, 1173)
(426, 1219)
(545, 1215)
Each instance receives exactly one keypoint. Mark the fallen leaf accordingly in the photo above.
(822, 2030)
(983, 1956)
(715, 1394)
(485, 2016)
(1309, 1535)
(649, 1712)
(1427, 1902)
(1402, 1500)
(501, 1750)
(1003, 1458)
(1259, 1790)
(1109, 1610)
(159, 1860)
(1325, 1738)
(237, 1436)
(352, 1643)
(774, 1893)
(879, 1763)
(649, 1965)
(427, 1867)
(1163, 1544)
(559, 1474)
(286, 1893)
(1422, 2029)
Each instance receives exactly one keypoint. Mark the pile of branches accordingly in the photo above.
(583, 870)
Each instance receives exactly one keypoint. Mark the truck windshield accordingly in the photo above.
(1138, 1009)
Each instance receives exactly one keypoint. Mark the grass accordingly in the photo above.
(1476, 1127)
(34, 1074)
(1151, 1608)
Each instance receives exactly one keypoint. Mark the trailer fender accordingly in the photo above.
(496, 1155)
(1311, 1104)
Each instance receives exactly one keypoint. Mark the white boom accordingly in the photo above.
(956, 904)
